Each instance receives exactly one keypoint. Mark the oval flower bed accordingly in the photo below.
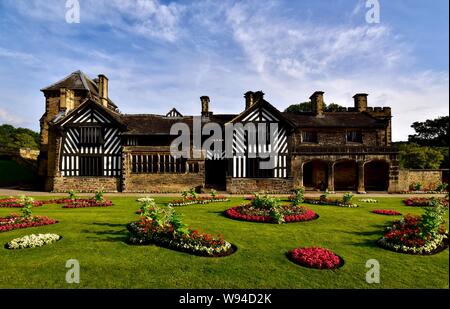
(32, 241)
(315, 257)
(290, 214)
(87, 203)
(147, 231)
(387, 212)
(406, 236)
(14, 202)
(423, 201)
(15, 221)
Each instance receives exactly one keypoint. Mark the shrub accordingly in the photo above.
(73, 195)
(441, 187)
(27, 203)
(213, 193)
(99, 195)
(432, 219)
(264, 202)
(298, 197)
(347, 198)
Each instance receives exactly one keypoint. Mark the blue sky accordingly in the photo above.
(164, 54)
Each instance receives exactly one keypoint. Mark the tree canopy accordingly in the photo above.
(432, 132)
(414, 156)
(16, 138)
(307, 107)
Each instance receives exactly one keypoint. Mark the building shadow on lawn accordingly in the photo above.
(109, 235)
(369, 237)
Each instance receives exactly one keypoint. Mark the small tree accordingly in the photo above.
(432, 219)
(298, 196)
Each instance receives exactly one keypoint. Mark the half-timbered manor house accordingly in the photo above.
(87, 144)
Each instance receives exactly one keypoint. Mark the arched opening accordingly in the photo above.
(315, 174)
(345, 175)
(376, 175)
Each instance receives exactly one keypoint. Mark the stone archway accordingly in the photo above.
(346, 175)
(376, 175)
(315, 174)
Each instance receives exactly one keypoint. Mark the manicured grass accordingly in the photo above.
(95, 237)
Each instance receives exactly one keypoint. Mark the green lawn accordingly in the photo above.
(95, 237)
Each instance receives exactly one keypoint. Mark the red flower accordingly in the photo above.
(315, 257)
(387, 212)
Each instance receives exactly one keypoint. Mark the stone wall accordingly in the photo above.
(429, 179)
(252, 185)
(163, 183)
(337, 137)
(85, 184)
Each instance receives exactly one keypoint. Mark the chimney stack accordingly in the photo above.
(258, 95)
(205, 106)
(66, 99)
(103, 89)
(248, 99)
(360, 102)
(317, 102)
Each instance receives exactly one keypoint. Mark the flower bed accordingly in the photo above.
(329, 202)
(14, 202)
(387, 212)
(198, 200)
(368, 200)
(146, 231)
(290, 214)
(32, 241)
(88, 203)
(315, 257)
(423, 201)
(406, 236)
(15, 221)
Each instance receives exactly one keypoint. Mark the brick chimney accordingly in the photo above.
(317, 102)
(205, 106)
(360, 102)
(66, 99)
(103, 89)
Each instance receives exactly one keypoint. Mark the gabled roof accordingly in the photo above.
(244, 116)
(77, 81)
(62, 118)
(174, 113)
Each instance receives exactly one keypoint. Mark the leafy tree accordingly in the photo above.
(419, 157)
(18, 137)
(432, 132)
(307, 107)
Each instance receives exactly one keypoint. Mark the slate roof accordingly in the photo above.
(77, 81)
(335, 120)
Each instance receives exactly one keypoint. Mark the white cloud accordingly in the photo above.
(8, 117)
(17, 55)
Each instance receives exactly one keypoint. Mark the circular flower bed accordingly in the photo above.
(32, 241)
(406, 236)
(387, 212)
(290, 214)
(315, 257)
(146, 231)
(15, 221)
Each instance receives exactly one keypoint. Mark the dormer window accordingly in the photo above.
(354, 136)
(91, 136)
(309, 137)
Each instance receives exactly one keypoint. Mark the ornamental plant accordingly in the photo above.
(347, 198)
(99, 195)
(27, 203)
(298, 197)
(432, 219)
(213, 193)
(441, 187)
(264, 202)
(72, 195)
(324, 196)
